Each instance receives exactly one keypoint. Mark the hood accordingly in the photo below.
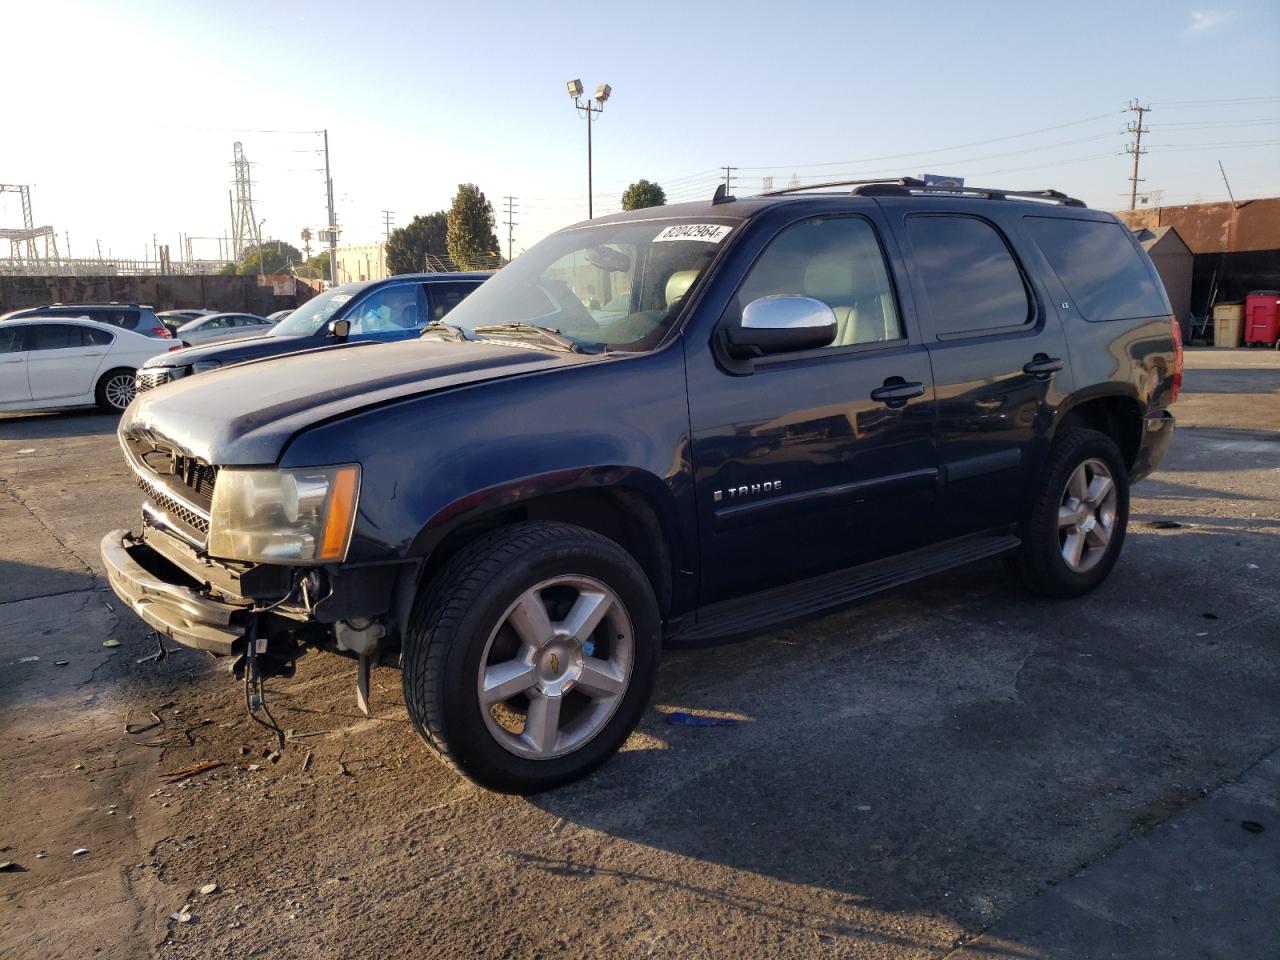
(242, 348)
(248, 413)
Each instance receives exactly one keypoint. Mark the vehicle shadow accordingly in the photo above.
(52, 426)
(949, 749)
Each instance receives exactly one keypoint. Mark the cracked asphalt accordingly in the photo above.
(951, 770)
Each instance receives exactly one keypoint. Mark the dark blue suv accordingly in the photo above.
(666, 426)
(374, 310)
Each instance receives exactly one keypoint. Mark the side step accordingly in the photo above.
(794, 601)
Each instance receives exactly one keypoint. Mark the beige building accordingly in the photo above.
(367, 261)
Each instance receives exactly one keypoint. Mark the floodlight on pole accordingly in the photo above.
(590, 111)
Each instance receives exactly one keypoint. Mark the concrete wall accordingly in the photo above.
(260, 295)
(362, 262)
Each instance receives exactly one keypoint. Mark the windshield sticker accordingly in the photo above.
(706, 232)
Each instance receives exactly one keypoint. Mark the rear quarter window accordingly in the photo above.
(1101, 268)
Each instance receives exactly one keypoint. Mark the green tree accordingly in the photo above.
(643, 194)
(274, 256)
(316, 267)
(470, 235)
(410, 245)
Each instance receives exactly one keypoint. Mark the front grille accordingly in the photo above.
(176, 510)
(178, 485)
(150, 379)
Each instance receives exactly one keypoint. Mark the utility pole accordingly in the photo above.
(386, 223)
(382, 253)
(510, 223)
(1220, 170)
(728, 180)
(1135, 148)
(333, 220)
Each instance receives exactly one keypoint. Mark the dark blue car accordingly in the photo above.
(376, 310)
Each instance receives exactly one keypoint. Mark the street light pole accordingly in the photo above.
(589, 111)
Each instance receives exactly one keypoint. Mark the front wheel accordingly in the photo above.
(1075, 528)
(530, 657)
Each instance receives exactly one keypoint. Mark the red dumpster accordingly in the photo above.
(1262, 317)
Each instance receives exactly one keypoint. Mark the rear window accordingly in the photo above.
(970, 277)
(1101, 268)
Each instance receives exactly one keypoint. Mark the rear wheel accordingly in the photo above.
(115, 390)
(1074, 531)
(530, 657)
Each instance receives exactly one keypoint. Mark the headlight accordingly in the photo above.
(204, 366)
(284, 516)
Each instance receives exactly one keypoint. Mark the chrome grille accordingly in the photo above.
(146, 379)
(176, 509)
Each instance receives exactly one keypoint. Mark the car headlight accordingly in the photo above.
(284, 516)
(204, 366)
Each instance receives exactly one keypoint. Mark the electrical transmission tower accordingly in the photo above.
(728, 179)
(244, 225)
(1135, 148)
(511, 223)
(22, 240)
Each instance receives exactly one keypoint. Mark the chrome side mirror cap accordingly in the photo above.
(781, 324)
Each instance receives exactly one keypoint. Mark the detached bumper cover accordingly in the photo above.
(1157, 433)
(172, 608)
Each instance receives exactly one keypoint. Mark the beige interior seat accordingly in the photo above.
(678, 285)
(829, 278)
(855, 290)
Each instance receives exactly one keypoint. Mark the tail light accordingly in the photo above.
(163, 332)
(1177, 358)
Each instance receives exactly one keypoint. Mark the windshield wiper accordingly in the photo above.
(518, 328)
(440, 326)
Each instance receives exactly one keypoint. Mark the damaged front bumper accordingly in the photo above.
(168, 600)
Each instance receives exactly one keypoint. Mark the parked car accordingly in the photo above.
(173, 319)
(63, 361)
(375, 311)
(674, 425)
(222, 326)
(127, 316)
(278, 315)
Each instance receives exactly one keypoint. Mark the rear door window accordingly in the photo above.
(1101, 268)
(970, 278)
(98, 338)
(443, 297)
(55, 336)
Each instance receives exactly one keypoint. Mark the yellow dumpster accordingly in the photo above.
(1228, 324)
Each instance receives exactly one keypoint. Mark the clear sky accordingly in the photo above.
(122, 114)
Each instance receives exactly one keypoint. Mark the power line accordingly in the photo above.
(918, 153)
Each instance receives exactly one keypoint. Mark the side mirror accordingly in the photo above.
(340, 329)
(781, 324)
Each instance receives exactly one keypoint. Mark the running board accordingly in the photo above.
(794, 601)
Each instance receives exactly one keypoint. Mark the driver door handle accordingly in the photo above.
(1043, 366)
(896, 392)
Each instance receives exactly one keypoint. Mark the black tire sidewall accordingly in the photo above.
(100, 392)
(1044, 567)
(471, 745)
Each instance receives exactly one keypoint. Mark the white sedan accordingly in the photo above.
(49, 362)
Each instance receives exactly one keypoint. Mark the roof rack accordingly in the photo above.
(910, 186)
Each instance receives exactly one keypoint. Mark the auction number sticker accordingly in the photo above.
(706, 232)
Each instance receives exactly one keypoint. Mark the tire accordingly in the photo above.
(111, 392)
(1078, 460)
(468, 630)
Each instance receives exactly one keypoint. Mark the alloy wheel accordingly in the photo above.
(119, 391)
(556, 667)
(1087, 515)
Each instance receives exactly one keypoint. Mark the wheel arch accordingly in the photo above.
(1117, 414)
(632, 507)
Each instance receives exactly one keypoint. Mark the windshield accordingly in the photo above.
(312, 315)
(614, 286)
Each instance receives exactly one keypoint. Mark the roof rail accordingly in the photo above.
(910, 186)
